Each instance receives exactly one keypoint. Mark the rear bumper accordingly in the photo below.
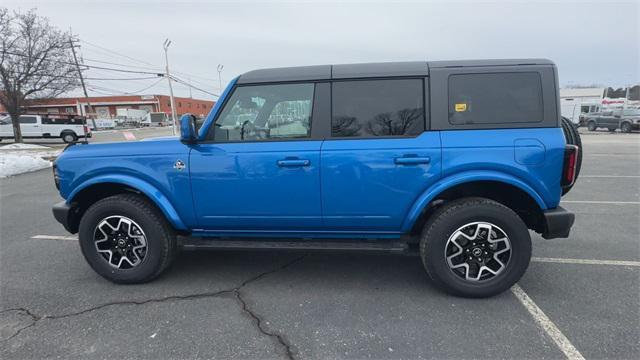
(63, 212)
(558, 223)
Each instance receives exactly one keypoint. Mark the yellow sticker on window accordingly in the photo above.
(461, 107)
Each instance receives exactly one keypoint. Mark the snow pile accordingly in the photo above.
(19, 146)
(13, 164)
(21, 158)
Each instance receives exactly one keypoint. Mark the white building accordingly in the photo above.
(574, 102)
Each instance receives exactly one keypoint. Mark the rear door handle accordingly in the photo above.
(412, 160)
(293, 162)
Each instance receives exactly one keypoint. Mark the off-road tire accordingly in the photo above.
(572, 137)
(444, 222)
(69, 137)
(160, 237)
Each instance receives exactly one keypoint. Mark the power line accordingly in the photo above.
(117, 53)
(119, 64)
(119, 92)
(191, 85)
(140, 61)
(87, 67)
(123, 79)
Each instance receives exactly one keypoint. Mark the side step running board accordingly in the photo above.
(197, 243)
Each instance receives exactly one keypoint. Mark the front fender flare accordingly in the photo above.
(460, 178)
(158, 198)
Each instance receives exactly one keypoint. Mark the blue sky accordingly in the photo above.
(591, 42)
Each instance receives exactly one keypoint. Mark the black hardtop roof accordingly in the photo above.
(364, 70)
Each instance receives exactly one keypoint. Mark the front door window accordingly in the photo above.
(266, 112)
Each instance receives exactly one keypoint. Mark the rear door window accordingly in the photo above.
(373, 108)
(495, 98)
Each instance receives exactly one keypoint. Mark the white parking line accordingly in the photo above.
(601, 202)
(610, 176)
(586, 261)
(547, 325)
(614, 154)
(54, 237)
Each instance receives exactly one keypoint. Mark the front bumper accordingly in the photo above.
(557, 223)
(63, 213)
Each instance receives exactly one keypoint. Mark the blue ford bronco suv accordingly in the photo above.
(452, 160)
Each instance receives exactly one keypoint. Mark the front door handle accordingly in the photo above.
(293, 162)
(412, 160)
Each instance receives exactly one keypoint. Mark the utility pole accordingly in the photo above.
(84, 88)
(220, 67)
(166, 44)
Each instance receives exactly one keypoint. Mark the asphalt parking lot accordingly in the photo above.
(579, 298)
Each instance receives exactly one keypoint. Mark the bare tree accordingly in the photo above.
(385, 124)
(35, 62)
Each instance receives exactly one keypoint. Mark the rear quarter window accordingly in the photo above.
(495, 98)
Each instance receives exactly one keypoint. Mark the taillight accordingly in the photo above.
(56, 177)
(86, 129)
(570, 165)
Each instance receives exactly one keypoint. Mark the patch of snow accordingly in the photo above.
(13, 164)
(19, 146)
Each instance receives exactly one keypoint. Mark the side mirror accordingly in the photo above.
(188, 128)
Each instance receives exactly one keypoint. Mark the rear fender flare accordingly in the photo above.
(450, 181)
(156, 196)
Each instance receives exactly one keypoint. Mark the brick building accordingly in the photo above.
(105, 106)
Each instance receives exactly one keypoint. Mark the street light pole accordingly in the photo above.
(166, 44)
(220, 66)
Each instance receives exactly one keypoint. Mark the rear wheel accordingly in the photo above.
(126, 239)
(475, 247)
(69, 137)
(625, 127)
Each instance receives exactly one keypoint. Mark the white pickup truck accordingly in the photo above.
(67, 127)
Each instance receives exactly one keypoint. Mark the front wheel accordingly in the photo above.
(475, 247)
(625, 127)
(592, 126)
(126, 239)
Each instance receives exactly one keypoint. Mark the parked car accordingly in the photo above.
(67, 127)
(155, 119)
(626, 120)
(454, 161)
